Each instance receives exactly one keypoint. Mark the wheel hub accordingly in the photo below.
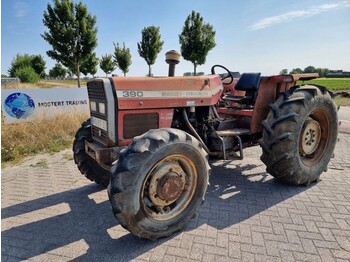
(311, 137)
(167, 184)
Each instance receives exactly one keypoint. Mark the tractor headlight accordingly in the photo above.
(93, 105)
(102, 108)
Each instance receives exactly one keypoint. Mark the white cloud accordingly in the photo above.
(21, 9)
(289, 16)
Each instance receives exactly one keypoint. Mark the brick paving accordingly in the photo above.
(52, 213)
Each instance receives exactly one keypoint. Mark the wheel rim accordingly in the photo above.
(311, 136)
(314, 138)
(169, 187)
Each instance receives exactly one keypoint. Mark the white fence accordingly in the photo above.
(20, 105)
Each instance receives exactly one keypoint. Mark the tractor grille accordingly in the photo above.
(97, 94)
(96, 90)
(137, 124)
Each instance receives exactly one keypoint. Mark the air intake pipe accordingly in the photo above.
(172, 57)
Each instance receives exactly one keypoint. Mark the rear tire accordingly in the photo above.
(159, 182)
(86, 165)
(299, 135)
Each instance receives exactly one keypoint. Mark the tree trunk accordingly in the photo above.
(78, 74)
(195, 69)
(124, 73)
(149, 71)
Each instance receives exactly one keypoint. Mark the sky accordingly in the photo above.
(251, 36)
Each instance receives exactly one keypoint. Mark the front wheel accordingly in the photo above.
(299, 135)
(159, 182)
(86, 165)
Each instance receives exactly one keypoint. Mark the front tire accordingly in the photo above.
(159, 182)
(86, 165)
(299, 135)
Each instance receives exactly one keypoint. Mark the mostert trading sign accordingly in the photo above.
(20, 105)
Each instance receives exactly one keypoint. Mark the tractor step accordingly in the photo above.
(236, 133)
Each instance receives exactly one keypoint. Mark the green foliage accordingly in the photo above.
(122, 57)
(27, 75)
(89, 66)
(107, 64)
(3, 76)
(18, 62)
(310, 69)
(71, 34)
(58, 71)
(322, 72)
(150, 45)
(284, 72)
(196, 39)
(296, 71)
(36, 62)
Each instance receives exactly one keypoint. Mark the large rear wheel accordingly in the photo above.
(299, 135)
(86, 165)
(159, 182)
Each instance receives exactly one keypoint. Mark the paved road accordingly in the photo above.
(52, 213)
(344, 116)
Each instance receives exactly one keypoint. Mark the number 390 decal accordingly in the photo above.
(132, 94)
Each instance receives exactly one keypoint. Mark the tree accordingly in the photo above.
(107, 64)
(196, 39)
(18, 62)
(39, 65)
(322, 72)
(58, 71)
(150, 45)
(310, 69)
(71, 33)
(36, 62)
(122, 58)
(89, 66)
(27, 75)
(284, 72)
(296, 71)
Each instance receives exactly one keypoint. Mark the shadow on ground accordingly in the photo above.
(236, 193)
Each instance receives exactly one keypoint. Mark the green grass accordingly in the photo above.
(331, 83)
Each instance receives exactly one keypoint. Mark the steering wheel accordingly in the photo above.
(223, 78)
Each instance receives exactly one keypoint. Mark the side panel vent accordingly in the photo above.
(137, 124)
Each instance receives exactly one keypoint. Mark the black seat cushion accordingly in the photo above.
(248, 82)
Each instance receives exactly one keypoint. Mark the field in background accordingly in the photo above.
(331, 83)
(45, 84)
(46, 135)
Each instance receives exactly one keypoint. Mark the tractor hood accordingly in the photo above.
(166, 92)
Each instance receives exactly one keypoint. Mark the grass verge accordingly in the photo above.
(330, 83)
(39, 136)
(342, 101)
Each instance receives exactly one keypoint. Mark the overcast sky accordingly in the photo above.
(251, 36)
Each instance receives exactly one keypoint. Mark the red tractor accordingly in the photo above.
(149, 138)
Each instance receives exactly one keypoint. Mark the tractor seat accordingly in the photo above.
(248, 82)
